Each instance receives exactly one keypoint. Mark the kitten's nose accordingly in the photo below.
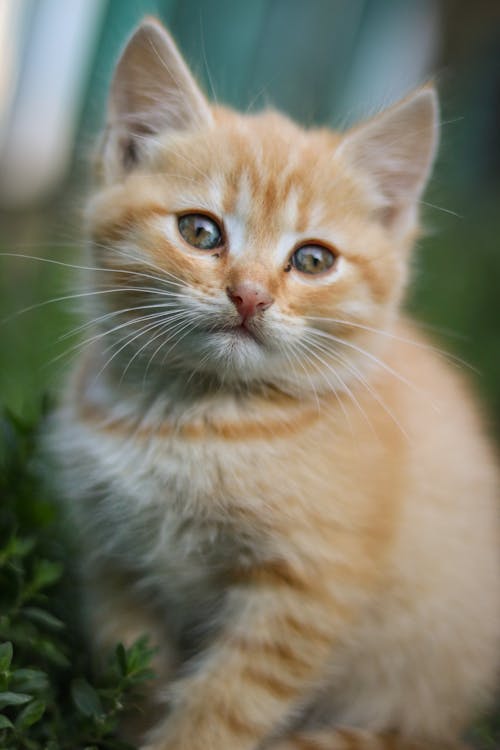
(249, 299)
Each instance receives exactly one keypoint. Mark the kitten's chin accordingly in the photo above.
(237, 354)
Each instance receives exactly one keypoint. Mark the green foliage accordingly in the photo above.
(49, 699)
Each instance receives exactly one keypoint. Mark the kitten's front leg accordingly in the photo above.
(115, 614)
(272, 649)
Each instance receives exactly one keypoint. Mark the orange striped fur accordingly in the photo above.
(298, 503)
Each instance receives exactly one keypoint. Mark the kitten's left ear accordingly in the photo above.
(152, 91)
(395, 152)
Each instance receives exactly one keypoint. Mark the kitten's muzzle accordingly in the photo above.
(249, 299)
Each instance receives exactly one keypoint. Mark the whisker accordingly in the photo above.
(205, 62)
(103, 334)
(352, 396)
(376, 361)
(288, 356)
(441, 208)
(144, 330)
(114, 313)
(77, 267)
(402, 339)
(76, 245)
(80, 295)
(360, 377)
(190, 323)
(297, 353)
(198, 368)
(333, 390)
(172, 330)
(153, 356)
(177, 281)
(132, 359)
(167, 278)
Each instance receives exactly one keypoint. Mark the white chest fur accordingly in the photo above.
(160, 503)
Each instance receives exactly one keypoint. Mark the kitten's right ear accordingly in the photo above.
(152, 91)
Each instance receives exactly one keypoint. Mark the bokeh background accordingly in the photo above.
(322, 61)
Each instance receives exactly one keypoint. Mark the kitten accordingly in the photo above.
(272, 472)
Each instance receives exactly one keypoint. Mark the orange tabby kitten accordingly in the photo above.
(272, 473)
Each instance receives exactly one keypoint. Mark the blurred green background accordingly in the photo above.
(322, 61)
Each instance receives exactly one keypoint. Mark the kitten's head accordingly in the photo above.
(242, 246)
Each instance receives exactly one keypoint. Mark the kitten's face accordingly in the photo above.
(264, 251)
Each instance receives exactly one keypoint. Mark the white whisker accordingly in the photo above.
(103, 334)
(144, 330)
(114, 313)
(82, 295)
(297, 354)
(77, 267)
(189, 323)
(394, 337)
(375, 360)
(344, 362)
(333, 389)
(172, 330)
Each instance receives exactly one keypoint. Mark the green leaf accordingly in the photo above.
(29, 680)
(13, 699)
(32, 713)
(22, 546)
(43, 618)
(16, 548)
(121, 658)
(53, 653)
(46, 573)
(5, 723)
(85, 698)
(142, 675)
(139, 655)
(5, 656)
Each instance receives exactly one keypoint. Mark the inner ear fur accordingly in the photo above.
(395, 151)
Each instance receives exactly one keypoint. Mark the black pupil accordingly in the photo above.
(313, 259)
(200, 231)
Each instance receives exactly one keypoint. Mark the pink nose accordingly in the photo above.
(249, 299)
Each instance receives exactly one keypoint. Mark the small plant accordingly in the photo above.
(49, 699)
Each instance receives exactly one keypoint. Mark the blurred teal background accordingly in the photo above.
(323, 62)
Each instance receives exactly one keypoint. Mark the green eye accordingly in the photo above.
(200, 231)
(312, 259)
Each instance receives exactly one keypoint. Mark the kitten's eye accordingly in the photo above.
(200, 231)
(313, 259)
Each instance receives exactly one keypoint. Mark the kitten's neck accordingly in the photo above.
(195, 410)
(174, 391)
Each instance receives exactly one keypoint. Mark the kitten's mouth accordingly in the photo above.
(244, 331)
(241, 332)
